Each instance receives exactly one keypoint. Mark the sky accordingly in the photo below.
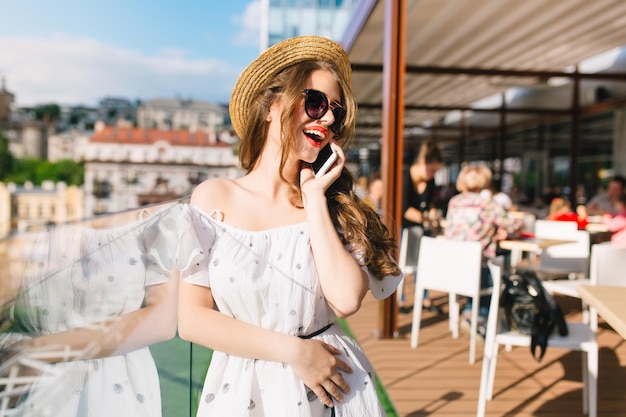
(76, 52)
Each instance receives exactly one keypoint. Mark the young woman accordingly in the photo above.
(271, 259)
(419, 184)
(418, 195)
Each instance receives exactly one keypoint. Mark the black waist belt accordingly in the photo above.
(316, 333)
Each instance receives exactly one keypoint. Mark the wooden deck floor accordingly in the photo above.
(437, 379)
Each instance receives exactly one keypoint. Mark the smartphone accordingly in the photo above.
(325, 159)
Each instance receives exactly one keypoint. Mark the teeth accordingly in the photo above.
(314, 133)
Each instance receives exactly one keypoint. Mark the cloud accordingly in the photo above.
(76, 70)
(249, 25)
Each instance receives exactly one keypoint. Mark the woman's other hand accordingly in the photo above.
(317, 364)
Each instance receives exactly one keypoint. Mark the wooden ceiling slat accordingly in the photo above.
(490, 34)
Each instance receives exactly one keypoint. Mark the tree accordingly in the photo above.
(39, 170)
(65, 170)
(6, 158)
(48, 112)
(22, 170)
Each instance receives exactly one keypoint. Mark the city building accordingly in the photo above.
(288, 18)
(28, 138)
(113, 110)
(5, 210)
(69, 144)
(6, 103)
(34, 207)
(77, 117)
(129, 167)
(178, 114)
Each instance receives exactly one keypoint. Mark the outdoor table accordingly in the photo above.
(597, 228)
(598, 232)
(608, 302)
(531, 245)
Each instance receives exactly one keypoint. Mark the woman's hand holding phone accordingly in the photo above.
(325, 159)
(320, 174)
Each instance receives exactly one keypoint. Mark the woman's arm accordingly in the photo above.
(507, 225)
(153, 323)
(414, 215)
(342, 280)
(313, 361)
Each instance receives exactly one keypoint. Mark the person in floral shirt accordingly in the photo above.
(475, 217)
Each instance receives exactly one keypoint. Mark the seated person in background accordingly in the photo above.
(561, 210)
(475, 217)
(374, 197)
(604, 203)
(361, 186)
(617, 223)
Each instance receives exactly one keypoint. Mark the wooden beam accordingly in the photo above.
(393, 142)
(494, 72)
(425, 107)
(575, 141)
(501, 138)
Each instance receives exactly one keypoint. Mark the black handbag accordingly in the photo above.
(531, 310)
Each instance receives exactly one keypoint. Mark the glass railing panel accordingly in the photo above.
(88, 319)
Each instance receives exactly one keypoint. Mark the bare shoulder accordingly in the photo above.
(213, 194)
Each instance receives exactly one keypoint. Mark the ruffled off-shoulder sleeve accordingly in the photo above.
(380, 288)
(160, 239)
(196, 238)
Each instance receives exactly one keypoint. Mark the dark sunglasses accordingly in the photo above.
(316, 105)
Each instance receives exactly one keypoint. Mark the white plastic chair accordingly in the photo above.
(568, 259)
(564, 260)
(581, 338)
(407, 258)
(545, 229)
(449, 266)
(528, 222)
(607, 267)
(553, 229)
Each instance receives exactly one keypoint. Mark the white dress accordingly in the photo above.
(80, 276)
(268, 278)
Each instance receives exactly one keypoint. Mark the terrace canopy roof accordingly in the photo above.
(461, 51)
(431, 61)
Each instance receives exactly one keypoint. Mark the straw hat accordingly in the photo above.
(275, 59)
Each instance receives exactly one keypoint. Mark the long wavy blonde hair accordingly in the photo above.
(359, 226)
